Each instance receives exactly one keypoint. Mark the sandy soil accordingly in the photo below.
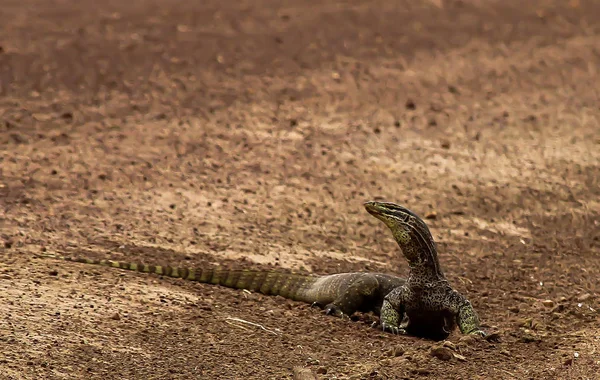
(248, 134)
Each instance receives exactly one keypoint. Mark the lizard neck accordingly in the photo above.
(424, 275)
(417, 245)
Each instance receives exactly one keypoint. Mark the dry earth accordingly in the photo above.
(248, 134)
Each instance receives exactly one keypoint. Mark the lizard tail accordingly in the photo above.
(287, 285)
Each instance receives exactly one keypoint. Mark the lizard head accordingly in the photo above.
(389, 211)
(410, 231)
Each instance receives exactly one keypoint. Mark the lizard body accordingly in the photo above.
(426, 305)
(339, 294)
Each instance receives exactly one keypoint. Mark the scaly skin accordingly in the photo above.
(339, 294)
(426, 305)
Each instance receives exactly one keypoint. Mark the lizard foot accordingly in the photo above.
(391, 328)
(332, 309)
(316, 305)
(480, 333)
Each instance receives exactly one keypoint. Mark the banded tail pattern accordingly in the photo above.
(292, 286)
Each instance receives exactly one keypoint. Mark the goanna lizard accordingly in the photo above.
(426, 305)
(422, 305)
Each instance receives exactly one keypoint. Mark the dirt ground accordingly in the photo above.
(248, 134)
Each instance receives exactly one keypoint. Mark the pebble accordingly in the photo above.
(396, 351)
(303, 374)
(527, 337)
(442, 353)
(584, 297)
(467, 340)
(432, 215)
(548, 303)
(493, 337)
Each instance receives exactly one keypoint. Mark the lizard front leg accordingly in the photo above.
(467, 320)
(392, 311)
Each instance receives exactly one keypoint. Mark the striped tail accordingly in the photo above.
(287, 285)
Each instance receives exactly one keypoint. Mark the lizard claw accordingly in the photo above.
(331, 309)
(480, 333)
(316, 304)
(391, 328)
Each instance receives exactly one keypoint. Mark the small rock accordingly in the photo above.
(115, 317)
(527, 337)
(467, 340)
(493, 337)
(584, 297)
(300, 373)
(531, 118)
(528, 323)
(432, 215)
(459, 357)
(321, 370)
(18, 138)
(67, 116)
(42, 117)
(548, 303)
(397, 351)
(442, 353)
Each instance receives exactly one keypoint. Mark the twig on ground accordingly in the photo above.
(252, 324)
